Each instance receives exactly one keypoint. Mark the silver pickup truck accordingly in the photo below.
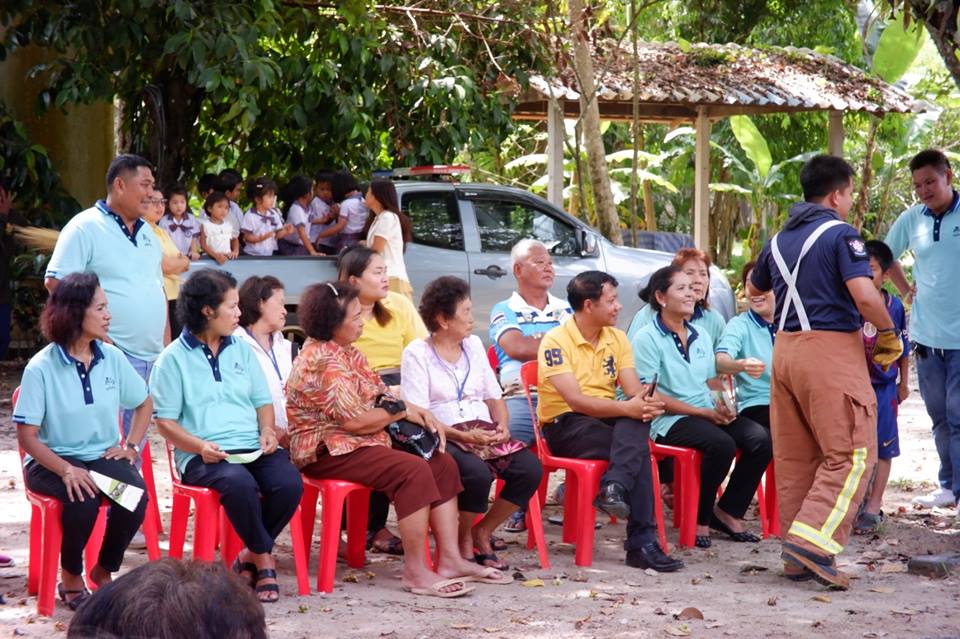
(468, 230)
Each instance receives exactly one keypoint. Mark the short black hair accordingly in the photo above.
(824, 174)
(930, 157)
(260, 186)
(343, 183)
(170, 598)
(206, 287)
(297, 187)
(440, 298)
(588, 286)
(324, 175)
(254, 290)
(124, 164)
(208, 182)
(880, 252)
(228, 179)
(323, 308)
(61, 321)
(659, 282)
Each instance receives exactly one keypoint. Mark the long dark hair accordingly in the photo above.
(659, 282)
(386, 194)
(353, 263)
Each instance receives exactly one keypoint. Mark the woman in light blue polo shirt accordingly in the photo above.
(746, 350)
(213, 403)
(67, 420)
(682, 357)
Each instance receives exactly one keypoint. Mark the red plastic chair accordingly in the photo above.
(46, 535)
(582, 485)
(153, 506)
(493, 359)
(686, 488)
(772, 515)
(334, 493)
(211, 527)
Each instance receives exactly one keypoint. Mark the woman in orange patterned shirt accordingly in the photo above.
(337, 431)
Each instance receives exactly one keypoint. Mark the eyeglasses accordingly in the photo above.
(154, 201)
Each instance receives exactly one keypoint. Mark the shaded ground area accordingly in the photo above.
(736, 587)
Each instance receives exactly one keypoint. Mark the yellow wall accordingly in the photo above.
(80, 143)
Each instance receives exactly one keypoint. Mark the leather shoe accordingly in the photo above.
(650, 555)
(613, 500)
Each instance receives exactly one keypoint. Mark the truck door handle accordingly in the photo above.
(493, 271)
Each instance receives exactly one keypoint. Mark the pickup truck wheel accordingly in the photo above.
(295, 334)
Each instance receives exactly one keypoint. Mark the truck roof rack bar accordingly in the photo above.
(429, 170)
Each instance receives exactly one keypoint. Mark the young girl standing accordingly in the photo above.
(262, 225)
(299, 193)
(173, 263)
(180, 224)
(218, 239)
(389, 232)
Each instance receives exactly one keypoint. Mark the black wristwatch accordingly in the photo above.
(133, 447)
(390, 404)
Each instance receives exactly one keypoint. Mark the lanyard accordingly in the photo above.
(270, 353)
(452, 372)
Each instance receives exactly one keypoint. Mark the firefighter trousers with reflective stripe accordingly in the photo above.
(823, 415)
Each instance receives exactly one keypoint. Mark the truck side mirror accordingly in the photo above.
(588, 244)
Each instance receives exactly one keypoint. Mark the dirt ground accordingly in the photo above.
(737, 587)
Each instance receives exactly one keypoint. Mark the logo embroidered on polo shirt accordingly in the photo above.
(608, 367)
(956, 231)
(238, 368)
(109, 383)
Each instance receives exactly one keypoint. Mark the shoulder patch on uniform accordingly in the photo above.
(857, 247)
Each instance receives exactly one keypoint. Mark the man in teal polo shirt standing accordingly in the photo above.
(111, 240)
(931, 231)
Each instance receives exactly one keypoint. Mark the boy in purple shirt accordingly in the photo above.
(890, 393)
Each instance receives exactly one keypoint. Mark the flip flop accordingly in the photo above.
(266, 573)
(240, 568)
(391, 546)
(434, 590)
(744, 536)
(702, 541)
(868, 523)
(497, 543)
(81, 596)
(823, 569)
(483, 558)
(487, 577)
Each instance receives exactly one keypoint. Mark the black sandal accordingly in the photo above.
(483, 558)
(703, 541)
(744, 536)
(81, 596)
(246, 566)
(497, 543)
(391, 546)
(267, 573)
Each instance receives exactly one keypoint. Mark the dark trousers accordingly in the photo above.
(79, 517)
(379, 502)
(719, 445)
(259, 498)
(521, 473)
(175, 326)
(759, 414)
(624, 443)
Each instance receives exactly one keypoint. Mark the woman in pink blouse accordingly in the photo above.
(449, 374)
(337, 420)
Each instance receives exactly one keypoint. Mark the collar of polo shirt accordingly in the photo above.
(192, 341)
(106, 210)
(692, 335)
(604, 337)
(70, 359)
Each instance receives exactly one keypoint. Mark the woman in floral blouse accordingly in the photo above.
(337, 431)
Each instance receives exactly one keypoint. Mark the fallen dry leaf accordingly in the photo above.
(696, 581)
(659, 611)
(893, 568)
(580, 622)
(823, 599)
(683, 630)
(532, 583)
(461, 626)
(905, 611)
(492, 630)
(753, 569)
(885, 590)
(579, 577)
(351, 579)
(689, 613)
(651, 572)
(772, 601)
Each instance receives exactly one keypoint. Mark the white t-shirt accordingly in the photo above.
(276, 367)
(218, 236)
(355, 211)
(297, 218)
(387, 226)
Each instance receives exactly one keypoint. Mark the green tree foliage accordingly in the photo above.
(274, 87)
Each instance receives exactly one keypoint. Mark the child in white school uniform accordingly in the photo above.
(353, 212)
(218, 239)
(323, 212)
(299, 191)
(262, 225)
(180, 223)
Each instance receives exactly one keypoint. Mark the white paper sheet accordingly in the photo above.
(124, 494)
(244, 458)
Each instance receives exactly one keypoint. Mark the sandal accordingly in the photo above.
(260, 589)
(434, 589)
(391, 546)
(744, 536)
(491, 576)
(498, 543)
(516, 523)
(245, 567)
(703, 541)
(81, 596)
(868, 523)
(483, 558)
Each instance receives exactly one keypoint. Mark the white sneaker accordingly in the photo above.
(139, 542)
(940, 498)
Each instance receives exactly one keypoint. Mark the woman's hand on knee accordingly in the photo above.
(78, 481)
(210, 453)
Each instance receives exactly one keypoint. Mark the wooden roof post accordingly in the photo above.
(835, 134)
(555, 135)
(701, 183)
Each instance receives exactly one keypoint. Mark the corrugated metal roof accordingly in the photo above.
(729, 78)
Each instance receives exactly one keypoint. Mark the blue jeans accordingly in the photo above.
(143, 369)
(521, 422)
(938, 372)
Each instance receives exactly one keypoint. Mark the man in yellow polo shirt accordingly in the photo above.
(580, 364)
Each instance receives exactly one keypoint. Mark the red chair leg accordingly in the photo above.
(689, 473)
(658, 504)
(330, 518)
(178, 525)
(535, 531)
(230, 542)
(770, 495)
(299, 554)
(571, 516)
(358, 507)
(585, 517)
(151, 533)
(49, 560)
(91, 552)
(36, 550)
(308, 517)
(205, 528)
(153, 507)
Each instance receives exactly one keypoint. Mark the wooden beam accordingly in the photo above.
(555, 135)
(701, 183)
(835, 134)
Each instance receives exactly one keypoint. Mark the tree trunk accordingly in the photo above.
(608, 221)
(866, 177)
(173, 117)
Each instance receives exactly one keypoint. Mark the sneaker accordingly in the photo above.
(940, 498)
(139, 542)
(516, 523)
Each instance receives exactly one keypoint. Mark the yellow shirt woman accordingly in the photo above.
(171, 283)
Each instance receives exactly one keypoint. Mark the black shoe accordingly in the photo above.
(613, 500)
(652, 556)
